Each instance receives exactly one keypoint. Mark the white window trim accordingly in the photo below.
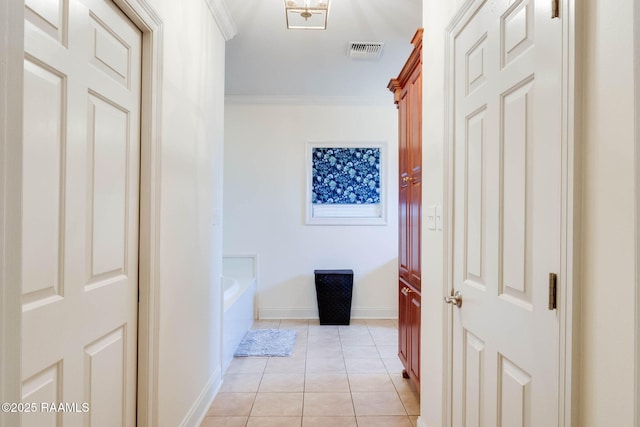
(355, 214)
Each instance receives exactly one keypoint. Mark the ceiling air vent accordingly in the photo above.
(365, 50)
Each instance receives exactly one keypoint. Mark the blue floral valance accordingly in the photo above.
(345, 176)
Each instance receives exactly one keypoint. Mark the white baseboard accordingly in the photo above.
(200, 407)
(287, 313)
(374, 313)
(312, 313)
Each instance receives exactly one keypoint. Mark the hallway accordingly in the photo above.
(339, 376)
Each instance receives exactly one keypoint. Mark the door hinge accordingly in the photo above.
(555, 9)
(553, 289)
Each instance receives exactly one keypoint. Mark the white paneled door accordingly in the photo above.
(80, 214)
(507, 86)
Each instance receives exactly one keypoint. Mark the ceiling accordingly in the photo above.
(265, 60)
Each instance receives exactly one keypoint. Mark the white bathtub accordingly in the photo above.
(239, 284)
(232, 291)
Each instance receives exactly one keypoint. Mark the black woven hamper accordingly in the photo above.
(333, 290)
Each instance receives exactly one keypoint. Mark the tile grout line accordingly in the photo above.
(264, 370)
(304, 382)
(344, 362)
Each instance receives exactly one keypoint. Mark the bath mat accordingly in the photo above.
(267, 342)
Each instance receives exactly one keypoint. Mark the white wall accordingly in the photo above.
(264, 196)
(191, 200)
(437, 15)
(608, 287)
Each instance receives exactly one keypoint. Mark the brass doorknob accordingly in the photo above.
(455, 299)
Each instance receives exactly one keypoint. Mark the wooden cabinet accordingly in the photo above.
(409, 331)
(407, 89)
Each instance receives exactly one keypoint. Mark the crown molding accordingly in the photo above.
(222, 16)
(311, 100)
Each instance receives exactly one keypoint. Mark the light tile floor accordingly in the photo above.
(338, 376)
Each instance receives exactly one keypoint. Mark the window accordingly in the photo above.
(346, 183)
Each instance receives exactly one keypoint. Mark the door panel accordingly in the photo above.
(43, 235)
(107, 209)
(506, 213)
(474, 373)
(414, 321)
(50, 17)
(414, 90)
(403, 323)
(514, 391)
(404, 161)
(404, 220)
(105, 380)
(415, 226)
(45, 386)
(80, 204)
(516, 227)
(475, 239)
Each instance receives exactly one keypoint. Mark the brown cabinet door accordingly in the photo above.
(410, 180)
(413, 233)
(404, 214)
(414, 152)
(404, 221)
(414, 333)
(403, 324)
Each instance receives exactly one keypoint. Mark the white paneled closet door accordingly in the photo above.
(507, 151)
(80, 213)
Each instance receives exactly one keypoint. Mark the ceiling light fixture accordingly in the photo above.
(307, 14)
